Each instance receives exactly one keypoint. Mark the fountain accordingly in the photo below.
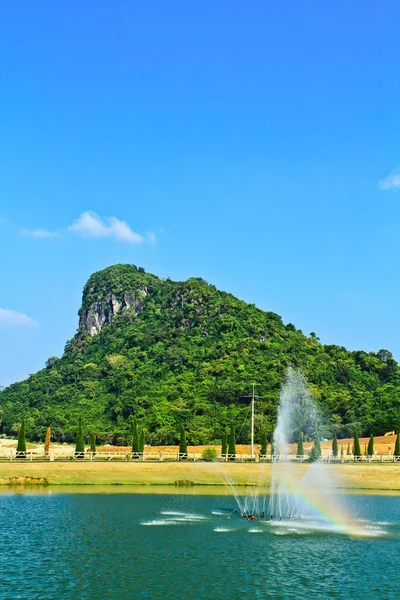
(296, 499)
(297, 413)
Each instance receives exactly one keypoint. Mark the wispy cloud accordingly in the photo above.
(392, 181)
(90, 225)
(40, 233)
(12, 318)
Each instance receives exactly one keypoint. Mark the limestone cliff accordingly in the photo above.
(93, 319)
(121, 290)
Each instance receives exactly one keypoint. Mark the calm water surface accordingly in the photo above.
(90, 546)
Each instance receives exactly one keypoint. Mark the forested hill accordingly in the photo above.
(184, 352)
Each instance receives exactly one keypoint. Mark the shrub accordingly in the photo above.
(264, 444)
(232, 443)
(80, 442)
(300, 444)
(93, 443)
(141, 439)
(397, 446)
(134, 435)
(224, 448)
(357, 449)
(21, 446)
(334, 445)
(209, 454)
(182, 442)
(370, 448)
(47, 441)
(315, 453)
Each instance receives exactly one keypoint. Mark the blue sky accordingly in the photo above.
(254, 144)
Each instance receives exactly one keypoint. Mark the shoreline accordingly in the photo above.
(346, 477)
(160, 490)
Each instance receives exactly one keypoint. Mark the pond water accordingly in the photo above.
(168, 546)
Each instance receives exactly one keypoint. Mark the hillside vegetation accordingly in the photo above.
(184, 352)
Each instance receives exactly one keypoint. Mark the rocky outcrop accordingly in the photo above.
(100, 313)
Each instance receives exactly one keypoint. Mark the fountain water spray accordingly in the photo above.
(295, 495)
(297, 414)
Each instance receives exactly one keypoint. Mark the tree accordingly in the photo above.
(224, 448)
(300, 444)
(21, 446)
(182, 443)
(93, 443)
(315, 453)
(134, 435)
(232, 442)
(51, 362)
(264, 443)
(341, 451)
(80, 442)
(357, 449)
(370, 449)
(47, 441)
(397, 446)
(334, 445)
(141, 439)
(384, 355)
(348, 450)
(314, 337)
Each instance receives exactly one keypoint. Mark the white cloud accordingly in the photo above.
(12, 318)
(89, 224)
(40, 233)
(392, 181)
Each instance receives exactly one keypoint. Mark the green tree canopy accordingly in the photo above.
(184, 352)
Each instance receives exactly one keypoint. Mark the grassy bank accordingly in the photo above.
(347, 476)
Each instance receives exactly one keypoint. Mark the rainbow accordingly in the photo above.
(321, 505)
